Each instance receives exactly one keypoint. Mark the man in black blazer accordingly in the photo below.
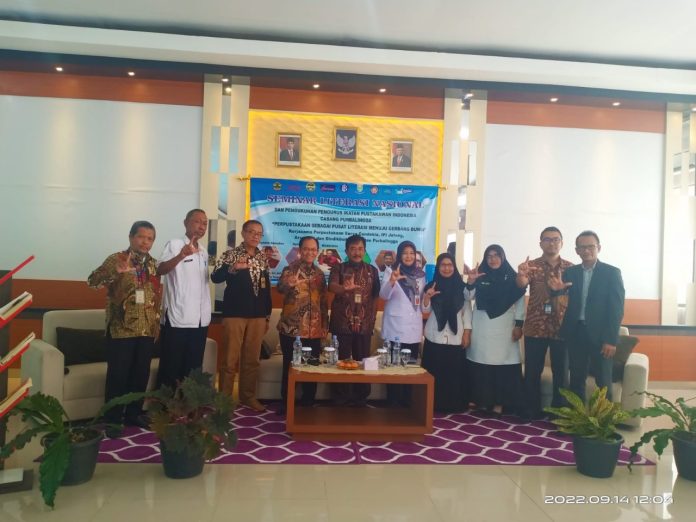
(290, 154)
(595, 308)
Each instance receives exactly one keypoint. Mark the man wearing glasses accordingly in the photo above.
(246, 310)
(544, 318)
(595, 309)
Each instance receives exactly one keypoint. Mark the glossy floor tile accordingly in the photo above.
(371, 493)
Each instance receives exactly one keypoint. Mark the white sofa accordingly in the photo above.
(81, 390)
(635, 377)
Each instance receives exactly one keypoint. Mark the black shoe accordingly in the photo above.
(113, 431)
(141, 421)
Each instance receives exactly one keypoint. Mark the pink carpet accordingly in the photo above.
(463, 438)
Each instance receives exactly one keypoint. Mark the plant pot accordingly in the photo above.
(180, 465)
(684, 446)
(82, 460)
(596, 458)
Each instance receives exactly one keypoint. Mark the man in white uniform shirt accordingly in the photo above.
(186, 304)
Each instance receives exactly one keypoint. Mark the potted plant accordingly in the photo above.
(682, 433)
(69, 450)
(192, 422)
(596, 443)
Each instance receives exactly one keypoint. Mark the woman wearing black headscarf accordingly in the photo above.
(447, 333)
(495, 368)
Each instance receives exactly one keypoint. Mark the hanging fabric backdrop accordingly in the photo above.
(384, 214)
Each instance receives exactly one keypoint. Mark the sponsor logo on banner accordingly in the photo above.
(277, 185)
(359, 188)
(344, 187)
(311, 186)
(374, 189)
(328, 188)
(294, 188)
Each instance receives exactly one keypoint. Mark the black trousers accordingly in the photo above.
(182, 351)
(309, 389)
(356, 346)
(127, 370)
(583, 354)
(534, 358)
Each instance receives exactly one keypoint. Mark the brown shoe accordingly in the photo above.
(254, 405)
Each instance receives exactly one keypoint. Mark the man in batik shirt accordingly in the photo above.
(355, 285)
(246, 312)
(305, 312)
(132, 319)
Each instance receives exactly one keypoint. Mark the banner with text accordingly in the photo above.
(385, 215)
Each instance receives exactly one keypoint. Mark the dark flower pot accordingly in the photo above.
(684, 445)
(83, 458)
(181, 465)
(596, 458)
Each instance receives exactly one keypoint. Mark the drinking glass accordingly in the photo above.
(405, 356)
(306, 354)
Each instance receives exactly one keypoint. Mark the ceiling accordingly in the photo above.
(625, 46)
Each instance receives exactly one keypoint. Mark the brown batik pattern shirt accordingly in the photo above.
(538, 322)
(124, 317)
(305, 306)
(348, 314)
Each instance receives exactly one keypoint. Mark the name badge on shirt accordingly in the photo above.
(358, 298)
(547, 308)
(140, 296)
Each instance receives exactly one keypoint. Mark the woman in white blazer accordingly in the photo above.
(402, 290)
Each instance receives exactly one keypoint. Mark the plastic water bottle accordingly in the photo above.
(396, 352)
(334, 343)
(387, 351)
(297, 352)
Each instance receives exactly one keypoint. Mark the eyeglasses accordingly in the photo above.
(252, 233)
(551, 240)
(580, 248)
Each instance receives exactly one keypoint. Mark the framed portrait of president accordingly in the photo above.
(401, 155)
(288, 149)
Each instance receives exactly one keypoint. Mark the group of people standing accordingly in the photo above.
(471, 335)
(473, 332)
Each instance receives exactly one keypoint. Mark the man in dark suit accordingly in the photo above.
(591, 324)
(400, 159)
(290, 154)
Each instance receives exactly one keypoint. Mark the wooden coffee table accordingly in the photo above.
(366, 423)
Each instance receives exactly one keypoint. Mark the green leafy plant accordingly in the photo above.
(44, 415)
(596, 420)
(193, 417)
(683, 416)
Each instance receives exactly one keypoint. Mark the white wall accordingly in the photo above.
(577, 179)
(75, 174)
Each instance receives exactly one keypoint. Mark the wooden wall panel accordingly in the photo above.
(297, 100)
(575, 116)
(61, 85)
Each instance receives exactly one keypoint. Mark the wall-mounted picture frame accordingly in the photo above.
(345, 144)
(401, 155)
(288, 149)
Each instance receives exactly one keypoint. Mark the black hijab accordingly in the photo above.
(412, 273)
(497, 290)
(449, 302)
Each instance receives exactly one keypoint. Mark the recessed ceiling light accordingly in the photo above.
(616, 104)
(131, 73)
(316, 86)
(693, 109)
(553, 100)
(383, 90)
(228, 90)
(468, 95)
(59, 69)
(225, 80)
